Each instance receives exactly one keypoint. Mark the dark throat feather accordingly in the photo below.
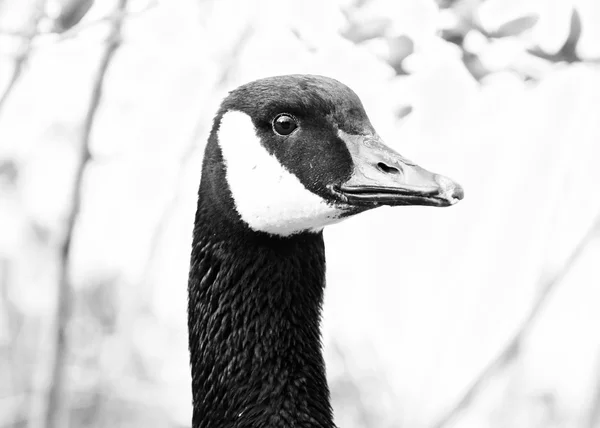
(254, 325)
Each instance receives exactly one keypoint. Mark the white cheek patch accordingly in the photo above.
(267, 196)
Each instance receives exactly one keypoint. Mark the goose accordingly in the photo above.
(287, 156)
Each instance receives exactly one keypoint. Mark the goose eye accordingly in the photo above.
(284, 124)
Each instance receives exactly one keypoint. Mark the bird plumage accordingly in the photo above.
(257, 273)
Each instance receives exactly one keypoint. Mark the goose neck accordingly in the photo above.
(254, 329)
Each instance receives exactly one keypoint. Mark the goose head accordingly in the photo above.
(292, 154)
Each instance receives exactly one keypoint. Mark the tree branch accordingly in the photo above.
(118, 15)
(511, 350)
(229, 66)
(57, 412)
(594, 412)
(78, 28)
(26, 48)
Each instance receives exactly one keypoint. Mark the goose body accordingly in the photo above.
(287, 156)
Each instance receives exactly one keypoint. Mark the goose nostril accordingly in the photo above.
(388, 169)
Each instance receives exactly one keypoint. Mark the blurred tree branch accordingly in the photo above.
(11, 323)
(119, 15)
(594, 414)
(230, 64)
(511, 350)
(29, 34)
(56, 413)
(78, 28)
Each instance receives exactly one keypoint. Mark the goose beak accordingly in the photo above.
(383, 177)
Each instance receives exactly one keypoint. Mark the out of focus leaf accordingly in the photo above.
(400, 48)
(358, 32)
(453, 36)
(568, 48)
(404, 111)
(100, 299)
(516, 26)
(9, 173)
(568, 51)
(71, 12)
(477, 69)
